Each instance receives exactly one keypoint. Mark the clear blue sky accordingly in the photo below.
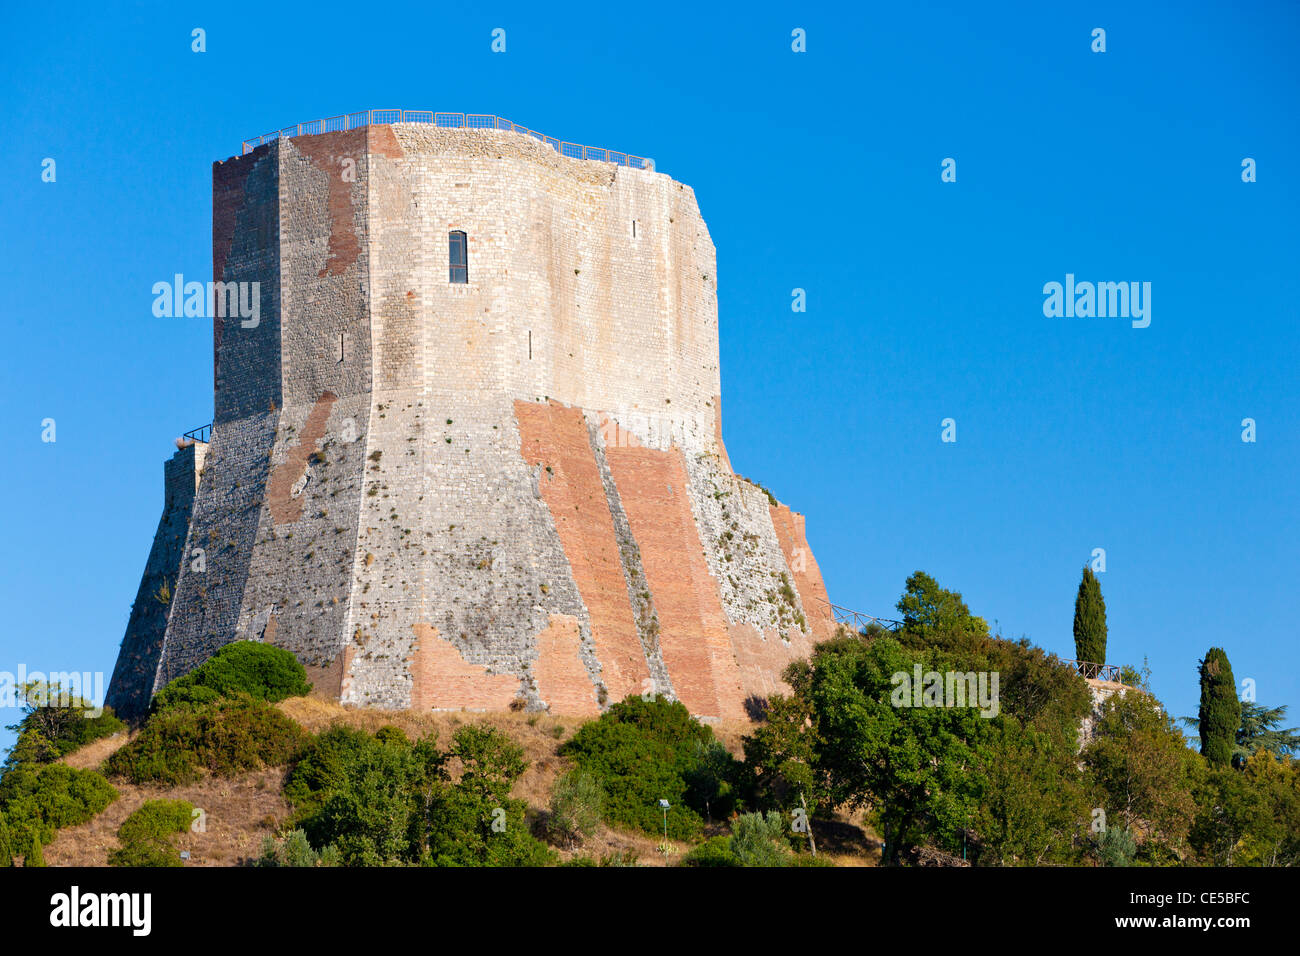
(818, 170)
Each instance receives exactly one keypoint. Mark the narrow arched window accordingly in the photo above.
(458, 256)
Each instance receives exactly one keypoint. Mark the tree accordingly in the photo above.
(1035, 805)
(1260, 730)
(1220, 712)
(34, 855)
(935, 618)
(6, 844)
(641, 752)
(918, 768)
(475, 822)
(779, 769)
(1275, 841)
(1090, 620)
(1140, 770)
(709, 781)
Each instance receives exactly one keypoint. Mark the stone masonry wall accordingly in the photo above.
(137, 662)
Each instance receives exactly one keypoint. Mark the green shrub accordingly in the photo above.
(577, 804)
(145, 835)
(295, 850)
(389, 801)
(759, 840)
(389, 734)
(642, 752)
(1116, 847)
(226, 738)
(37, 800)
(363, 795)
(6, 845)
(715, 851)
(34, 855)
(261, 671)
(475, 822)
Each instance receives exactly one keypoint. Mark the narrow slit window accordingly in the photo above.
(633, 228)
(341, 341)
(458, 256)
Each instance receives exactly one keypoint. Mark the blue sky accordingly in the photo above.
(816, 170)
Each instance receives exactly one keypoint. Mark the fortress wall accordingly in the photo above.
(555, 439)
(246, 200)
(551, 252)
(629, 553)
(696, 648)
(324, 262)
(457, 550)
(302, 566)
(741, 548)
(137, 662)
(807, 574)
(223, 524)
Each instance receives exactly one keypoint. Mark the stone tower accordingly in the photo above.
(469, 453)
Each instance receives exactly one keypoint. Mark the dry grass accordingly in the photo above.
(240, 812)
(97, 751)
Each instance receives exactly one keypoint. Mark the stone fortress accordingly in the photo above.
(470, 454)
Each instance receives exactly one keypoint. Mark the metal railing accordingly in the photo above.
(1088, 669)
(857, 620)
(346, 121)
(203, 433)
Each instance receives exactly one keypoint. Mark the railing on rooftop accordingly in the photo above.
(203, 433)
(346, 121)
(859, 621)
(1088, 669)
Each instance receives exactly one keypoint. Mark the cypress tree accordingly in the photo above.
(34, 856)
(1220, 711)
(6, 844)
(1090, 620)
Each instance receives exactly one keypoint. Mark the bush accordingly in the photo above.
(758, 840)
(34, 855)
(226, 738)
(641, 752)
(6, 845)
(295, 850)
(261, 671)
(38, 800)
(146, 834)
(1116, 847)
(715, 851)
(475, 822)
(577, 803)
(389, 801)
(389, 734)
